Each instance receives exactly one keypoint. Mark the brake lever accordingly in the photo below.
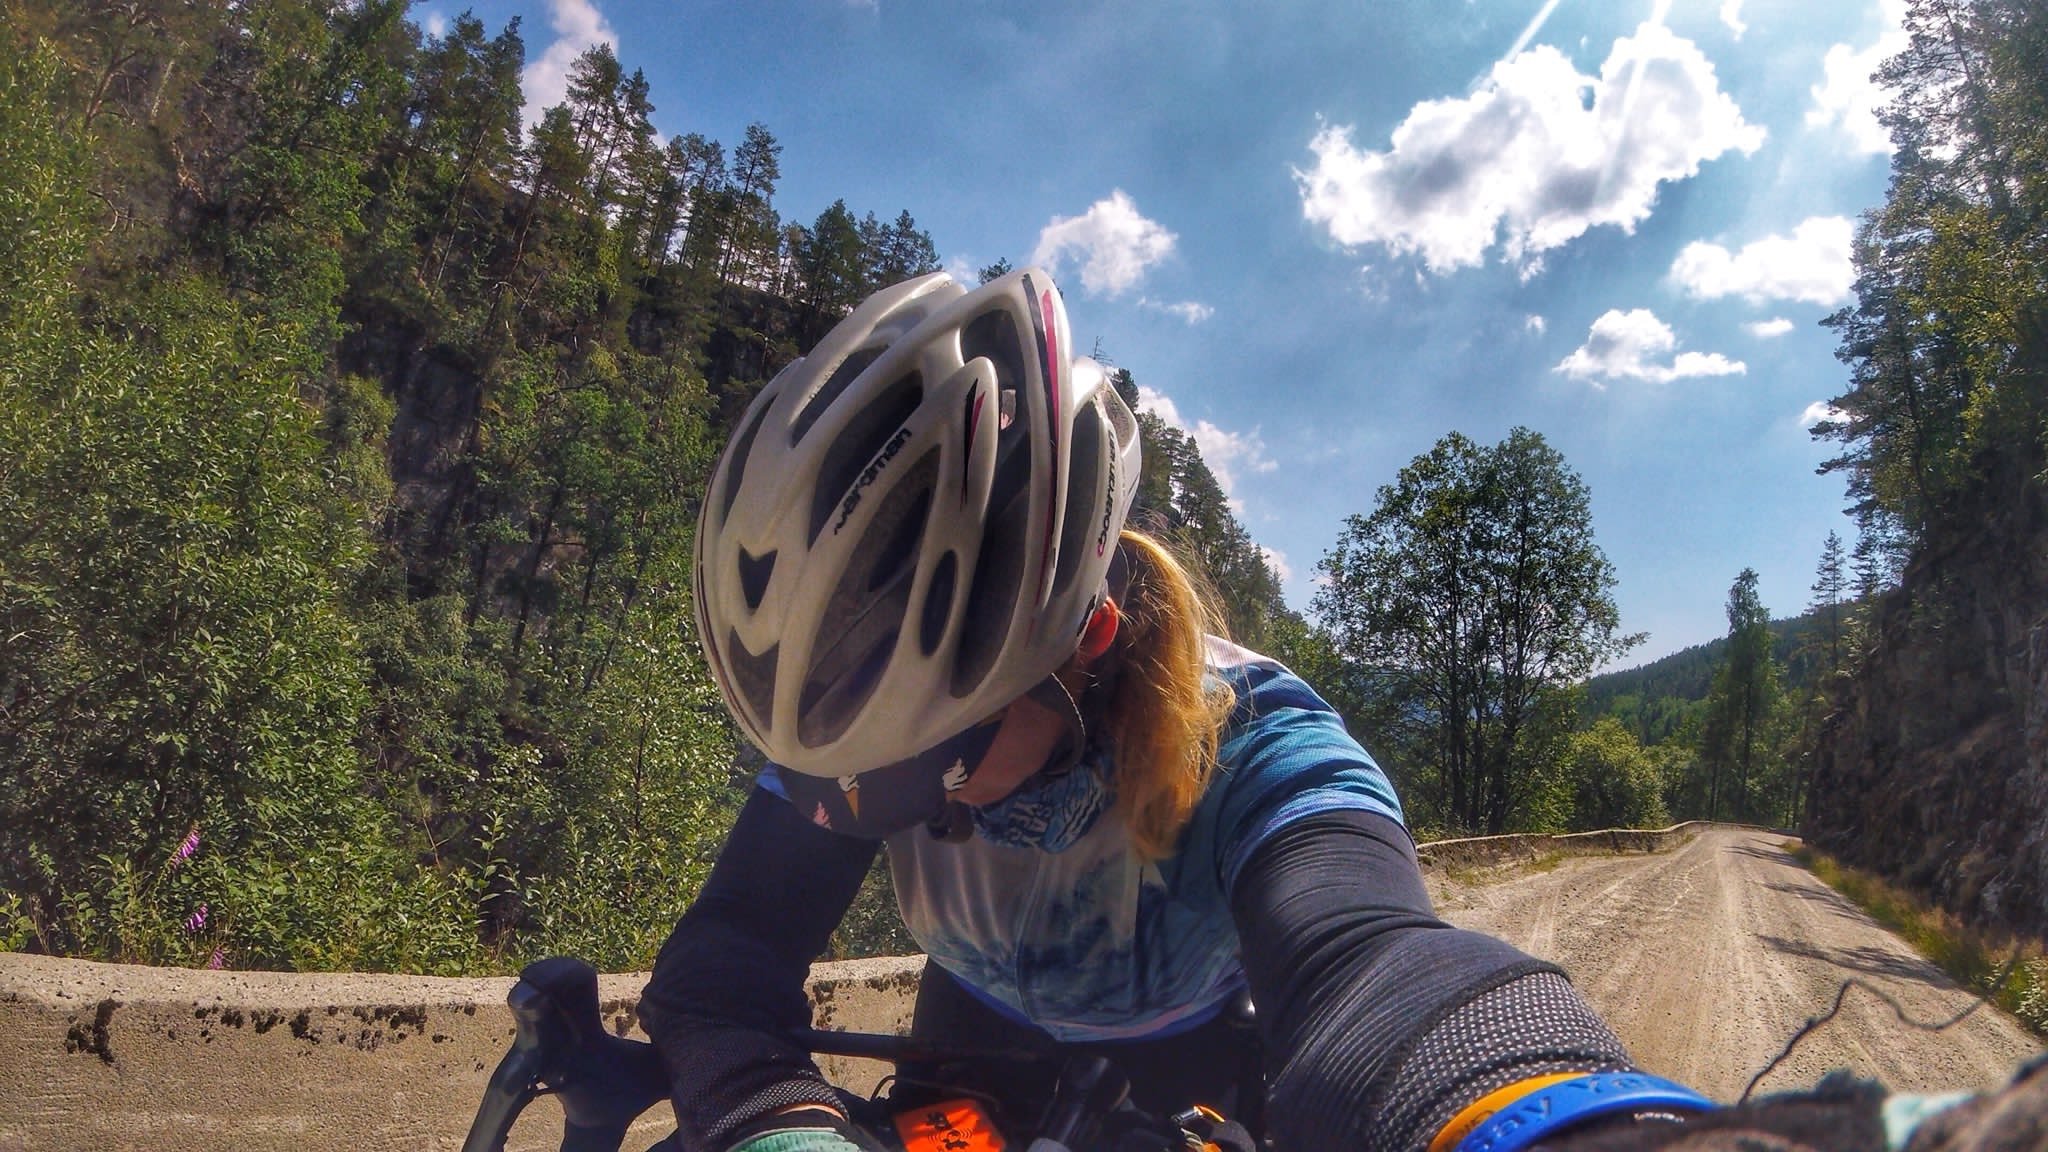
(560, 1046)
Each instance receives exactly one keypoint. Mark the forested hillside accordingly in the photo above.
(350, 444)
(1932, 767)
(1688, 673)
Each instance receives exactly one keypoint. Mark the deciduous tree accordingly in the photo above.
(1475, 591)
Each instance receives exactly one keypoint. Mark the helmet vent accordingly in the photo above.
(835, 384)
(869, 439)
(938, 603)
(995, 335)
(867, 611)
(754, 574)
(998, 566)
(754, 676)
(742, 447)
(896, 556)
(1084, 480)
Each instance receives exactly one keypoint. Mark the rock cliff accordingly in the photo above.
(1933, 768)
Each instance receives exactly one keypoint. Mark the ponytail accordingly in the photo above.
(1166, 713)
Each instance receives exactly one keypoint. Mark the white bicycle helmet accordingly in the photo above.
(912, 525)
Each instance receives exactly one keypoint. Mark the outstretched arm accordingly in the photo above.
(1382, 1023)
(729, 983)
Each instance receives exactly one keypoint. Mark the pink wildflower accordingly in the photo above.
(219, 958)
(186, 849)
(196, 920)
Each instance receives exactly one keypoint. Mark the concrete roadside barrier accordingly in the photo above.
(1494, 851)
(115, 1057)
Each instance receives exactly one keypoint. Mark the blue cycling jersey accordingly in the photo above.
(1095, 943)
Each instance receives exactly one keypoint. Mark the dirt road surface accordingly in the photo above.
(1707, 958)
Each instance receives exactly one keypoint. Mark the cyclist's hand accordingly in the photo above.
(798, 1140)
(1841, 1114)
(805, 1128)
(1837, 1116)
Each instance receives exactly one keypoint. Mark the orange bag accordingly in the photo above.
(948, 1126)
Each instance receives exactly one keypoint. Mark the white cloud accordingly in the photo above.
(1633, 345)
(1530, 29)
(960, 268)
(1770, 329)
(1818, 411)
(1533, 158)
(436, 25)
(1112, 241)
(1225, 453)
(1811, 265)
(1534, 323)
(1277, 561)
(1374, 283)
(1191, 312)
(578, 26)
(1731, 15)
(1847, 96)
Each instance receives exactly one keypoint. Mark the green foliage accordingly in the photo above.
(873, 926)
(1474, 594)
(1653, 697)
(177, 654)
(350, 451)
(1745, 771)
(2030, 1003)
(1616, 783)
(1948, 337)
(1942, 440)
(351, 446)
(322, 92)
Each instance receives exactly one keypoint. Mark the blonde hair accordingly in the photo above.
(1166, 714)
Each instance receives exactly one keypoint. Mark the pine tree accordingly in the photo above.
(1738, 734)
(1829, 582)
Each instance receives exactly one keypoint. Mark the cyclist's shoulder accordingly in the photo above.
(1260, 685)
(1283, 754)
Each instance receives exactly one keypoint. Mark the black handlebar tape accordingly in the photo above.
(604, 1081)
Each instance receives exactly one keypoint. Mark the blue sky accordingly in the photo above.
(1323, 235)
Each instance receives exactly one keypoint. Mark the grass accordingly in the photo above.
(1972, 957)
(1469, 875)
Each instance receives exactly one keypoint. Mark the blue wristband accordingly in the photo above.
(1548, 1111)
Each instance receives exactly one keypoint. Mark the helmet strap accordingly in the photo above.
(954, 825)
(1053, 696)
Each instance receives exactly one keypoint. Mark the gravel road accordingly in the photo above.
(1707, 958)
